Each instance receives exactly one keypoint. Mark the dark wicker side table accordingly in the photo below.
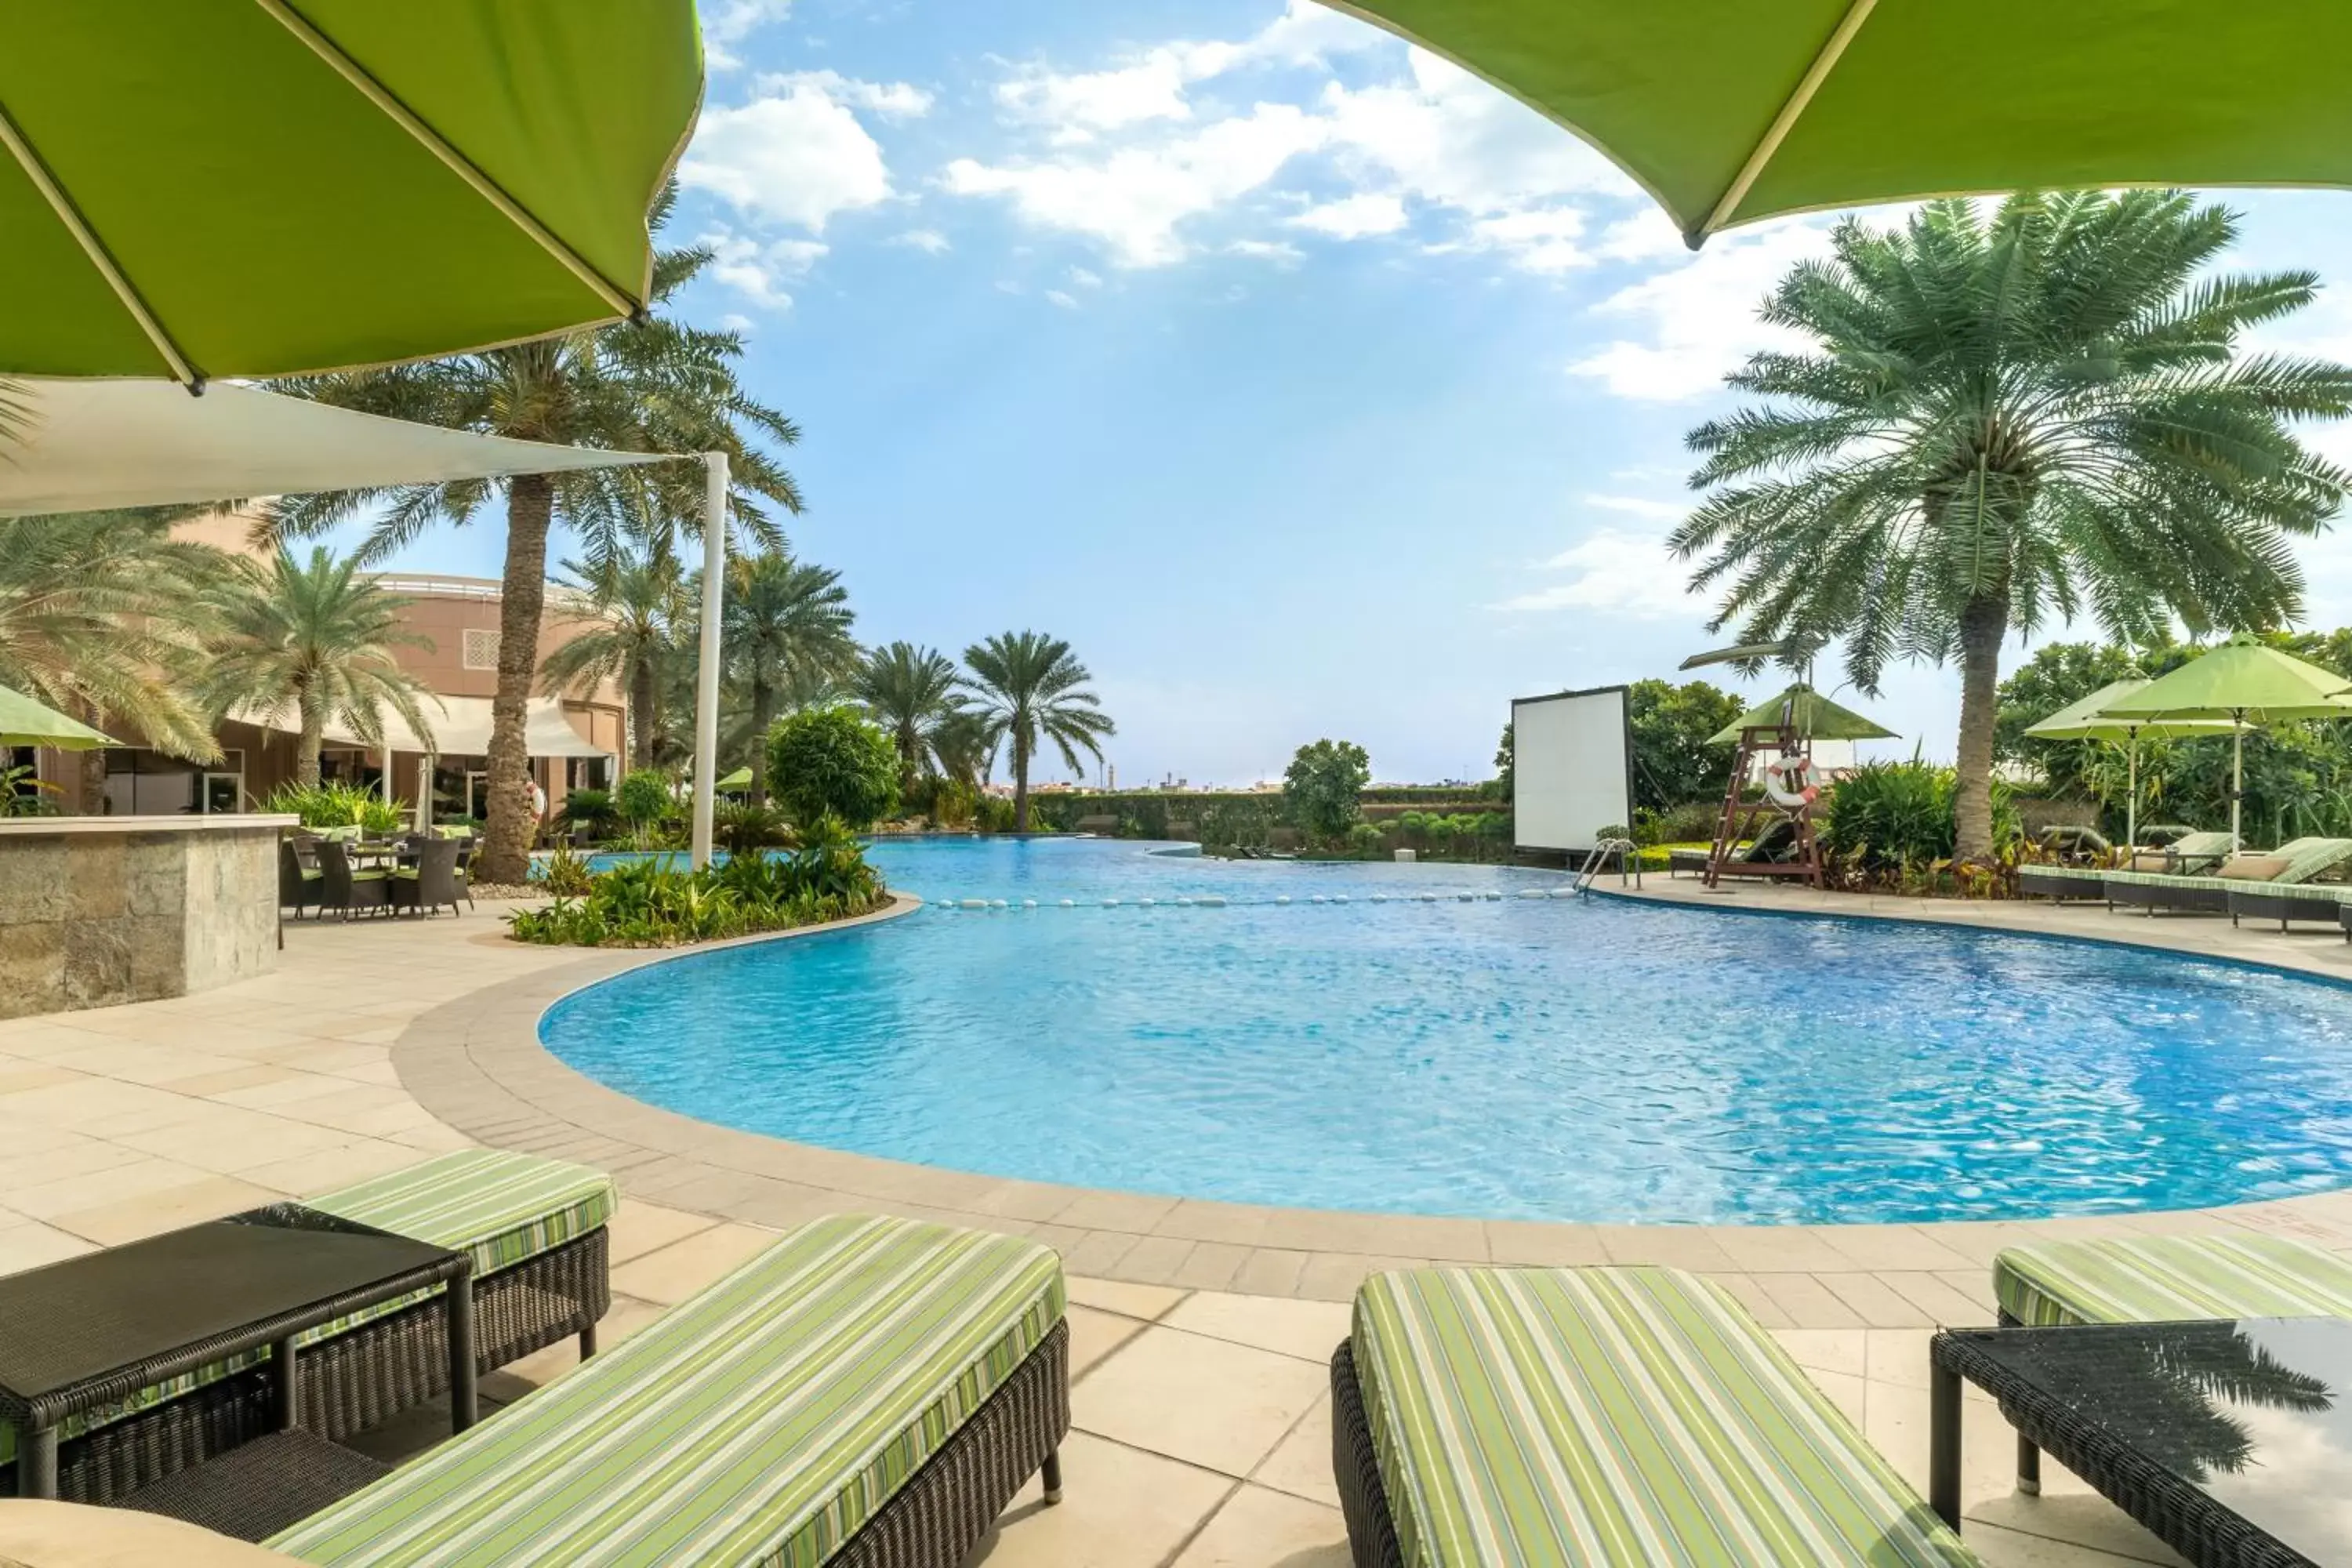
(92, 1331)
(2215, 1435)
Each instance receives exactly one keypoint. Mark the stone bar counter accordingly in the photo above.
(96, 910)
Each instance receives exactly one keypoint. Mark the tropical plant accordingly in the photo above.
(651, 385)
(649, 903)
(590, 811)
(636, 601)
(335, 804)
(829, 762)
(565, 875)
(100, 619)
(913, 693)
(1323, 788)
(316, 635)
(1031, 688)
(784, 640)
(746, 829)
(2010, 415)
(966, 745)
(1902, 816)
(644, 798)
(23, 793)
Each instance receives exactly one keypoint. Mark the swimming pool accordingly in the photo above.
(1582, 1060)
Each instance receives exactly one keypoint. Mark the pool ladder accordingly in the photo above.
(1629, 856)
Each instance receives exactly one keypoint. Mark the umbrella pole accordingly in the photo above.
(2237, 775)
(706, 704)
(2131, 810)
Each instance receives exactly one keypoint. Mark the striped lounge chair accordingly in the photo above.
(2253, 884)
(536, 1228)
(2164, 1279)
(1607, 1417)
(866, 1392)
(2063, 884)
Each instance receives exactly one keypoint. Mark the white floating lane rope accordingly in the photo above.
(1069, 903)
(974, 904)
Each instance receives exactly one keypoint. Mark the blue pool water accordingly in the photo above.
(1587, 1059)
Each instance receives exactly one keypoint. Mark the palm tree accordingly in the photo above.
(318, 635)
(2007, 417)
(966, 747)
(651, 385)
(1030, 689)
(912, 692)
(783, 638)
(636, 602)
(100, 616)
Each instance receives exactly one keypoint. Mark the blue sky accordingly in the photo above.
(1306, 385)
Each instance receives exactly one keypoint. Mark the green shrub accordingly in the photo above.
(744, 828)
(590, 811)
(1323, 788)
(991, 814)
(1895, 817)
(338, 806)
(24, 793)
(829, 762)
(650, 904)
(644, 798)
(567, 875)
(1364, 838)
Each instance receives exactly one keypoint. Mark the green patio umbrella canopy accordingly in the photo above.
(2088, 718)
(1728, 112)
(2244, 681)
(25, 722)
(198, 188)
(739, 779)
(1815, 717)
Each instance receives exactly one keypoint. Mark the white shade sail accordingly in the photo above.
(460, 726)
(90, 445)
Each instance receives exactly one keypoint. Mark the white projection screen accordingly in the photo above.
(1571, 768)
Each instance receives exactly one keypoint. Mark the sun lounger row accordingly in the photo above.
(2274, 885)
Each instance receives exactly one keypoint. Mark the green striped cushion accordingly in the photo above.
(2166, 880)
(2171, 1279)
(2312, 892)
(2307, 857)
(1634, 1417)
(502, 1207)
(761, 1422)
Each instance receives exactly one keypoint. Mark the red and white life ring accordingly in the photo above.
(1787, 783)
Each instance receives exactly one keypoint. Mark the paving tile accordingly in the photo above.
(1876, 1303)
(1097, 1251)
(1204, 1401)
(1149, 1303)
(1258, 1528)
(1301, 1463)
(670, 1274)
(1309, 1330)
(1154, 1260)
(638, 1228)
(1522, 1244)
(1668, 1246)
(1210, 1265)
(1942, 1303)
(551, 1361)
(96, 1188)
(1270, 1271)
(248, 1076)
(17, 1079)
(1121, 1507)
(1871, 1247)
(230, 1139)
(148, 1213)
(1094, 1336)
(30, 1245)
(1744, 1289)
(1133, 1212)
(1809, 1302)
(1335, 1276)
(309, 1175)
(1828, 1350)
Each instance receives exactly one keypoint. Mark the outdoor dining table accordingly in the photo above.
(89, 1334)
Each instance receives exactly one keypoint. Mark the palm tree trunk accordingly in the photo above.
(1983, 623)
(764, 713)
(89, 769)
(642, 718)
(314, 733)
(1020, 787)
(522, 593)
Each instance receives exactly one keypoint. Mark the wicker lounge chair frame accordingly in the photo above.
(1363, 1501)
(2177, 895)
(2062, 884)
(2294, 902)
(351, 1381)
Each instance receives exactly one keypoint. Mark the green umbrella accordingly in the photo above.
(1812, 715)
(197, 188)
(739, 779)
(1727, 110)
(2245, 681)
(25, 722)
(2090, 720)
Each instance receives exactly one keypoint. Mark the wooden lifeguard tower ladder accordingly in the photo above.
(1742, 818)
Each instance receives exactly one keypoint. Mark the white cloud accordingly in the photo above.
(1279, 251)
(730, 22)
(930, 241)
(1130, 156)
(1616, 571)
(1134, 199)
(1086, 280)
(1354, 217)
(758, 270)
(1064, 301)
(1640, 506)
(734, 322)
(1698, 320)
(796, 153)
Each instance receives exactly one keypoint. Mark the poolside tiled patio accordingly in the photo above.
(1200, 1329)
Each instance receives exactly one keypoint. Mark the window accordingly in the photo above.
(481, 649)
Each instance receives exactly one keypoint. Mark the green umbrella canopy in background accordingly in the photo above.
(1815, 717)
(25, 722)
(1728, 112)
(2244, 681)
(739, 779)
(200, 188)
(2089, 719)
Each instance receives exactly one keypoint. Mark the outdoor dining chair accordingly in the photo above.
(347, 887)
(433, 880)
